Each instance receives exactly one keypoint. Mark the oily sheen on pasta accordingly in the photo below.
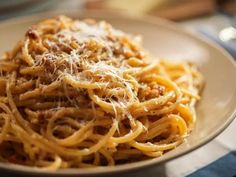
(78, 94)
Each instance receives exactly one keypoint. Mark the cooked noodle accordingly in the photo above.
(78, 94)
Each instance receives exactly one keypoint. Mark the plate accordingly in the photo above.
(163, 39)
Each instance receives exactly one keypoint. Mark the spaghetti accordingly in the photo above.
(80, 94)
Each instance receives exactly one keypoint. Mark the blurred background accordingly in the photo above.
(176, 10)
(212, 18)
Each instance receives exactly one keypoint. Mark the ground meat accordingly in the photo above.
(32, 33)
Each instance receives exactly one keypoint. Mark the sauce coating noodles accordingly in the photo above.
(78, 94)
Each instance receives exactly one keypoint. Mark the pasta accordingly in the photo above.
(79, 93)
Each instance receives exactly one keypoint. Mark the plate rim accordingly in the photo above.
(134, 165)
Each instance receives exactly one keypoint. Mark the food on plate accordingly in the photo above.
(80, 93)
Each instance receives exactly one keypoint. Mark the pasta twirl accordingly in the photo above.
(78, 94)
